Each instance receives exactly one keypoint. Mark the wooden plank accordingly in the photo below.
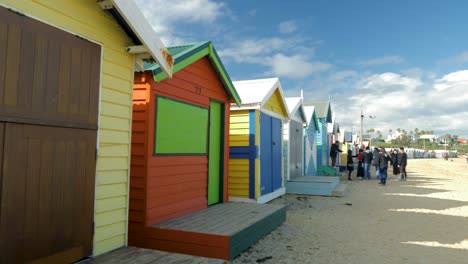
(117, 96)
(169, 211)
(56, 212)
(110, 217)
(111, 177)
(132, 255)
(103, 246)
(24, 95)
(64, 79)
(107, 257)
(12, 73)
(188, 170)
(3, 56)
(177, 160)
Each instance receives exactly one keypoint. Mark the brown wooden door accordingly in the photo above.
(49, 98)
(47, 190)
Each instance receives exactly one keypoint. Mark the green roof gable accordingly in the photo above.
(323, 110)
(187, 54)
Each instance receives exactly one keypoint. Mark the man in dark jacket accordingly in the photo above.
(402, 162)
(366, 161)
(334, 152)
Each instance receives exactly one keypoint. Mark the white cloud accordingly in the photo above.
(163, 14)
(256, 50)
(401, 101)
(287, 27)
(461, 58)
(252, 12)
(294, 67)
(452, 81)
(389, 82)
(252, 50)
(382, 60)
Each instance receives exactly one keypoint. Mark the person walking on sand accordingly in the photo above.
(402, 162)
(334, 152)
(394, 156)
(382, 162)
(350, 164)
(367, 160)
(376, 161)
(360, 169)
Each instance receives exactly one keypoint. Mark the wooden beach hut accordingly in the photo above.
(293, 139)
(324, 115)
(66, 81)
(310, 139)
(310, 183)
(179, 167)
(255, 140)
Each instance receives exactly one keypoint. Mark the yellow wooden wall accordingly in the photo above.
(276, 104)
(85, 17)
(238, 179)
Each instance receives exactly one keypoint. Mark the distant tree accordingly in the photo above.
(379, 134)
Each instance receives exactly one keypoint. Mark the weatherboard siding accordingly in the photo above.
(275, 104)
(85, 18)
(168, 186)
(238, 179)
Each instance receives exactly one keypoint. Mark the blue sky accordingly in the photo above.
(405, 62)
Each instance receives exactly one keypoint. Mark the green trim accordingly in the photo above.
(178, 136)
(224, 76)
(181, 64)
(191, 54)
(215, 153)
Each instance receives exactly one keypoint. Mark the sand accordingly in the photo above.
(422, 220)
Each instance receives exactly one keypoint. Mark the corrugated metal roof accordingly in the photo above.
(255, 91)
(321, 108)
(295, 104)
(177, 53)
(184, 55)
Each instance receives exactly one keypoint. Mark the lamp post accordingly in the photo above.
(362, 121)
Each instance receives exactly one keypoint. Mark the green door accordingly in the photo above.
(215, 154)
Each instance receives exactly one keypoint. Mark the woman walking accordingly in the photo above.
(394, 157)
(350, 164)
(360, 168)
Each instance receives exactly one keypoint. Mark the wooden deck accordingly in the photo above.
(314, 185)
(222, 231)
(145, 256)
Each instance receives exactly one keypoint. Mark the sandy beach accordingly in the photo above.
(422, 220)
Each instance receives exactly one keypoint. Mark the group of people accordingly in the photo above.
(378, 158)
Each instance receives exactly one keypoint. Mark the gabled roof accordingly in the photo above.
(336, 128)
(256, 93)
(311, 116)
(323, 110)
(187, 54)
(295, 104)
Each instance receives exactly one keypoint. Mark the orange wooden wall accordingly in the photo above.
(165, 187)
